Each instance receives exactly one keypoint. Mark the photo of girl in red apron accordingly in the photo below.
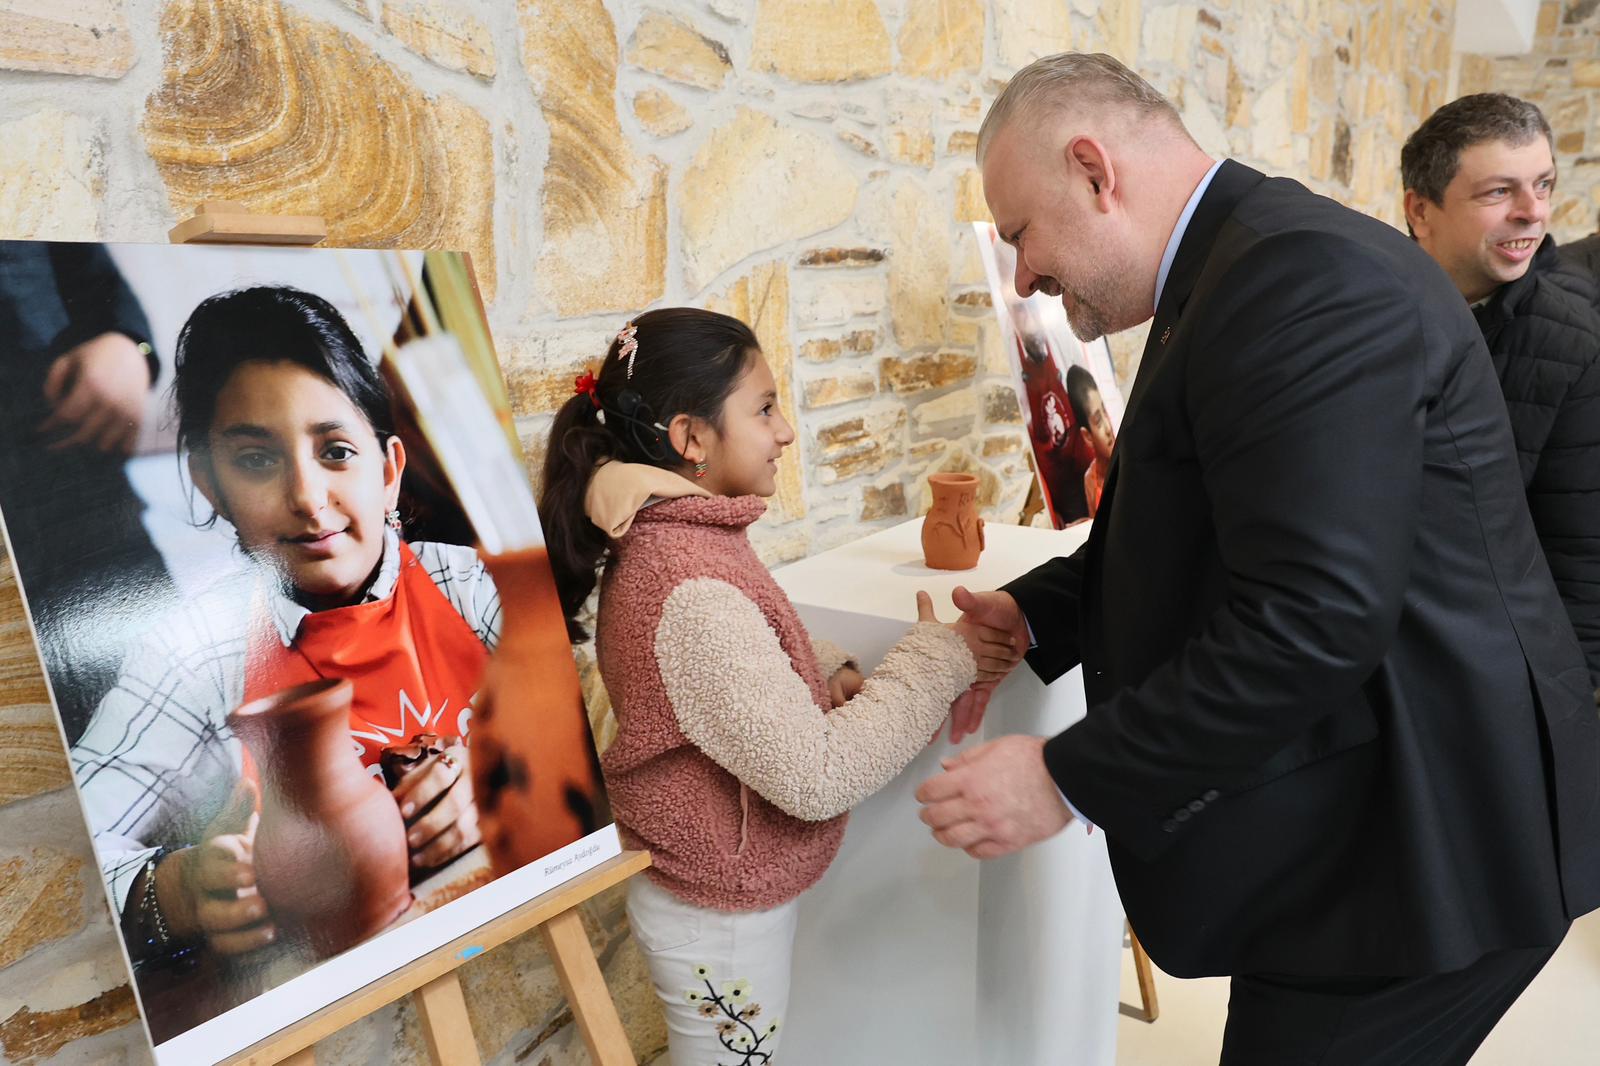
(286, 430)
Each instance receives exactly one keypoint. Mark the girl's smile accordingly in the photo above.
(751, 424)
(323, 544)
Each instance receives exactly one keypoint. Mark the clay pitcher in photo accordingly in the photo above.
(535, 775)
(952, 532)
(330, 851)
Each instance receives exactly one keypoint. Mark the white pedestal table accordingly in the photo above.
(909, 952)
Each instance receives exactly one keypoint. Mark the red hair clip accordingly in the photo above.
(587, 385)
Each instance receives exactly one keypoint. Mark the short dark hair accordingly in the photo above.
(1432, 154)
(1079, 384)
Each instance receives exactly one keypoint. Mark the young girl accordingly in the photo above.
(288, 435)
(727, 764)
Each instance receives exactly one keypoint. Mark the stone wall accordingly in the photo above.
(1562, 76)
(63, 983)
(805, 164)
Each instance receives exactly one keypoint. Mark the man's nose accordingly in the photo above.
(1027, 280)
(1529, 206)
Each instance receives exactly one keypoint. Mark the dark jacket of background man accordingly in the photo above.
(1543, 333)
(1585, 255)
(1338, 722)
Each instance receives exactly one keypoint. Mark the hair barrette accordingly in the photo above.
(586, 384)
(628, 345)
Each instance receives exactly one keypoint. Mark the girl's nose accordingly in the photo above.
(308, 487)
(785, 432)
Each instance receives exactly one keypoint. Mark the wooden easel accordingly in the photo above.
(432, 981)
(1145, 973)
(435, 985)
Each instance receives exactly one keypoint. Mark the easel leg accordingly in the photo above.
(1147, 978)
(445, 1025)
(303, 1057)
(586, 990)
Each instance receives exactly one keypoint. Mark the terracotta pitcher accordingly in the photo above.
(952, 533)
(330, 851)
(535, 775)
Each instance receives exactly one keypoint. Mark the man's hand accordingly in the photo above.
(994, 651)
(844, 684)
(996, 612)
(994, 799)
(97, 393)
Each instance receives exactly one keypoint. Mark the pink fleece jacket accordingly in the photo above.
(728, 764)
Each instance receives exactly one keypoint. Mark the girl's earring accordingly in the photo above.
(700, 470)
(392, 519)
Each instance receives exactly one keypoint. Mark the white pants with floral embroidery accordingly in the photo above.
(723, 977)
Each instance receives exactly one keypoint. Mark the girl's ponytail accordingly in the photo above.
(578, 443)
(672, 361)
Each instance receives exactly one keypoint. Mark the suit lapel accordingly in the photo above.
(1222, 196)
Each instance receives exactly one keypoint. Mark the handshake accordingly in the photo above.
(997, 797)
(995, 632)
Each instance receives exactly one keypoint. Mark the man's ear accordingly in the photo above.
(1091, 163)
(200, 474)
(1419, 210)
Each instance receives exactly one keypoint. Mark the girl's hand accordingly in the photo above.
(435, 798)
(994, 650)
(844, 684)
(208, 892)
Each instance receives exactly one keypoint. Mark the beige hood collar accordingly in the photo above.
(617, 490)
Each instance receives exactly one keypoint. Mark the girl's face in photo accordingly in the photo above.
(299, 472)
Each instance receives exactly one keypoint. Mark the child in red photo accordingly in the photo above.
(1094, 424)
(741, 741)
(288, 434)
(1054, 426)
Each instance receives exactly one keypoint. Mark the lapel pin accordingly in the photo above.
(1165, 334)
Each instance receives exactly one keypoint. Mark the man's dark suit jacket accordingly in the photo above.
(1338, 721)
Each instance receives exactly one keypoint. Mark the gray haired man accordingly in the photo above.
(1340, 735)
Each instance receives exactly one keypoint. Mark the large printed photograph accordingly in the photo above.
(273, 529)
(1068, 392)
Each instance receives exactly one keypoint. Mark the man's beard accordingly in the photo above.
(1088, 323)
(1093, 311)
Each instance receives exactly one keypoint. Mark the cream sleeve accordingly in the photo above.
(738, 698)
(831, 657)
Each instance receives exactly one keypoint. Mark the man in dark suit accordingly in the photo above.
(1340, 734)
